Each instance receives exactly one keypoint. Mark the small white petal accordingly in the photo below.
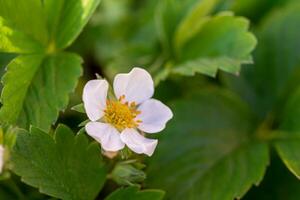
(138, 143)
(154, 116)
(1, 158)
(106, 135)
(94, 98)
(137, 85)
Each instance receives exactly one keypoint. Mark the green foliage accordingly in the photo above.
(57, 73)
(27, 18)
(133, 193)
(66, 167)
(13, 40)
(36, 85)
(191, 40)
(278, 184)
(224, 130)
(66, 19)
(209, 143)
(222, 43)
(268, 83)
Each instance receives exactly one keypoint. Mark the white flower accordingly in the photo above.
(1, 158)
(118, 122)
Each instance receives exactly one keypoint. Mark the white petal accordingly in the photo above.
(154, 116)
(138, 143)
(1, 158)
(94, 98)
(137, 85)
(106, 135)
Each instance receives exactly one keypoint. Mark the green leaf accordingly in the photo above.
(278, 184)
(223, 42)
(288, 150)
(169, 14)
(194, 20)
(67, 167)
(254, 10)
(36, 88)
(66, 19)
(79, 108)
(15, 41)
(209, 66)
(275, 73)
(133, 193)
(207, 150)
(26, 16)
(289, 146)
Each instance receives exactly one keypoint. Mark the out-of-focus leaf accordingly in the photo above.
(125, 35)
(207, 151)
(223, 42)
(79, 108)
(278, 184)
(36, 88)
(66, 19)
(193, 21)
(25, 16)
(209, 66)
(133, 193)
(169, 14)
(288, 150)
(255, 10)
(289, 147)
(5, 58)
(67, 167)
(276, 71)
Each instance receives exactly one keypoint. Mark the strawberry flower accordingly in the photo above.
(120, 121)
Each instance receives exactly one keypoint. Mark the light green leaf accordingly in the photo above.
(193, 21)
(66, 19)
(288, 150)
(223, 42)
(26, 16)
(208, 151)
(79, 108)
(67, 167)
(169, 14)
(36, 88)
(209, 66)
(133, 193)
(14, 41)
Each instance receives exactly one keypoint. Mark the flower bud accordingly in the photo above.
(127, 174)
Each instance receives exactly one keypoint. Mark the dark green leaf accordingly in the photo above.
(278, 184)
(133, 193)
(207, 151)
(67, 167)
(289, 146)
(277, 61)
(36, 88)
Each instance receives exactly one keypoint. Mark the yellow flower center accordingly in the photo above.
(121, 114)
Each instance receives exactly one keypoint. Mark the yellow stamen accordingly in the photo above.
(121, 114)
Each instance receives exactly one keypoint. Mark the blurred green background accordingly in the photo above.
(123, 34)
